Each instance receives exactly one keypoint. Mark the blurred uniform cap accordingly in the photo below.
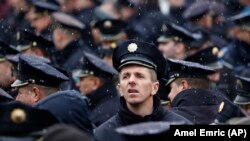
(173, 32)
(44, 7)
(186, 69)
(64, 132)
(208, 57)
(240, 19)
(28, 39)
(226, 111)
(33, 71)
(197, 9)
(139, 53)
(6, 49)
(242, 90)
(95, 66)
(68, 21)
(157, 130)
(110, 28)
(19, 119)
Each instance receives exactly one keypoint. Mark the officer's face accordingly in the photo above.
(137, 84)
(246, 108)
(167, 49)
(6, 74)
(25, 95)
(88, 84)
(40, 23)
(58, 38)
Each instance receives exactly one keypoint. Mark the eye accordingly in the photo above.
(139, 75)
(124, 76)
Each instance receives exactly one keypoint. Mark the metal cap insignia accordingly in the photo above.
(132, 47)
(221, 106)
(107, 24)
(18, 116)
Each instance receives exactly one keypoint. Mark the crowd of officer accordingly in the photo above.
(121, 69)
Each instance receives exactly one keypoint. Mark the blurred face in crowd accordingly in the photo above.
(74, 5)
(167, 49)
(241, 33)
(6, 74)
(40, 23)
(246, 108)
(58, 34)
(137, 84)
(25, 95)
(206, 21)
(176, 3)
(214, 77)
(88, 84)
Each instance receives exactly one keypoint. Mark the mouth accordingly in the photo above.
(130, 91)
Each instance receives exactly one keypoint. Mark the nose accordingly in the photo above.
(131, 80)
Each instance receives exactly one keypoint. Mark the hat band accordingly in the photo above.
(137, 63)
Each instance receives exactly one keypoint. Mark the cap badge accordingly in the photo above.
(132, 47)
(107, 24)
(215, 51)
(239, 84)
(18, 116)
(34, 43)
(164, 28)
(18, 36)
(221, 106)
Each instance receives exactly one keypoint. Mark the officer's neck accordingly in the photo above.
(142, 109)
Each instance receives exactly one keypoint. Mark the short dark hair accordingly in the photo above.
(194, 82)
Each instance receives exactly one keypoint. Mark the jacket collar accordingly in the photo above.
(130, 118)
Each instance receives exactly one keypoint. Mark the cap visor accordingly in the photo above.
(19, 83)
(137, 60)
(241, 100)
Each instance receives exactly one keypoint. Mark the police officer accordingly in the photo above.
(96, 82)
(189, 92)
(111, 33)
(236, 55)
(7, 76)
(40, 18)
(175, 41)
(222, 79)
(31, 44)
(201, 15)
(140, 65)
(242, 99)
(67, 41)
(41, 89)
(43, 81)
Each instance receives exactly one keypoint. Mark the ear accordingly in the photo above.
(119, 88)
(155, 88)
(185, 85)
(97, 82)
(179, 48)
(37, 95)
